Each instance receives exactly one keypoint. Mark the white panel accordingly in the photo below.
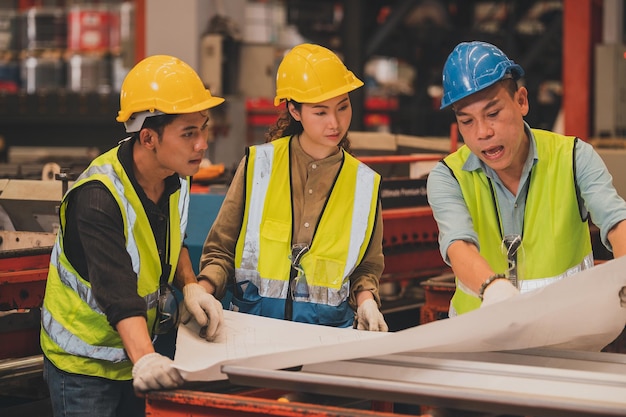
(610, 90)
(174, 28)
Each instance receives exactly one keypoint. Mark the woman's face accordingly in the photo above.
(324, 124)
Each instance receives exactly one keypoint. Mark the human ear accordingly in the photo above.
(522, 100)
(145, 136)
(293, 111)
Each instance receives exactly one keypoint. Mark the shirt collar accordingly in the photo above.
(125, 155)
(474, 163)
(307, 159)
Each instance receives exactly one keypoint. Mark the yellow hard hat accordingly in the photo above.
(311, 74)
(163, 84)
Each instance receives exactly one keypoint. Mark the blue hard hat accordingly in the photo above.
(474, 66)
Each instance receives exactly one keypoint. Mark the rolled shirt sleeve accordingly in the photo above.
(595, 182)
(449, 209)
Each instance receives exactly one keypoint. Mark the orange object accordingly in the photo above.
(208, 173)
(261, 402)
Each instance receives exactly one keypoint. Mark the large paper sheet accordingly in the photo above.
(581, 312)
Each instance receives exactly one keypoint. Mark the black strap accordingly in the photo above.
(297, 252)
(289, 300)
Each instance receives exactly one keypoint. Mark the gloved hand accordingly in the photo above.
(498, 290)
(370, 318)
(155, 371)
(204, 308)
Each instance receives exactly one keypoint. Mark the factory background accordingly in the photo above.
(62, 63)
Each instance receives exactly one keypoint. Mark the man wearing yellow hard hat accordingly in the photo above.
(120, 250)
(299, 235)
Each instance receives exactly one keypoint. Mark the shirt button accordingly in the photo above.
(306, 224)
(310, 191)
(314, 166)
(515, 205)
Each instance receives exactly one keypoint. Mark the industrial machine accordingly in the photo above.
(24, 260)
(28, 228)
(29, 221)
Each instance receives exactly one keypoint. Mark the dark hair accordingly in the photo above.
(157, 123)
(511, 86)
(286, 125)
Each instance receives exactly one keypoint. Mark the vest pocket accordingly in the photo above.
(275, 230)
(326, 273)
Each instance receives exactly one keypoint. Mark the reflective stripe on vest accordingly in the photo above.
(84, 291)
(74, 345)
(531, 284)
(528, 285)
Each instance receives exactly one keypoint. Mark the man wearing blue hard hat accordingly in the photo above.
(512, 204)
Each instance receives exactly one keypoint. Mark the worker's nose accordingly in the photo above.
(333, 122)
(202, 144)
(484, 129)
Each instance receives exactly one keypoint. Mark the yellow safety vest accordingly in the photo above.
(75, 335)
(556, 239)
(262, 256)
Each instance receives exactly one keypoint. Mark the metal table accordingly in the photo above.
(537, 382)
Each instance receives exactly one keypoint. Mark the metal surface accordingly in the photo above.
(537, 382)
(12, 368)
(21, 242)
(31, 205)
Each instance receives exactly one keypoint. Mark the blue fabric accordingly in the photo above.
(74, 395)
(303, 312)
(606, 207)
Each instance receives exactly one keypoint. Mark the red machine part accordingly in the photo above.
(410, 242)
(410, 234)
(263, 402)
(438, 292)
(23, 276)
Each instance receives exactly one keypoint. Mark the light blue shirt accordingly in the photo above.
(595, 182)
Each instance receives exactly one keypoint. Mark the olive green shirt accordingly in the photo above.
(311, 185)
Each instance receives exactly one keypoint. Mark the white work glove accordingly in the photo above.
(498, 290)
(155, 371)
(369, 317)
(204, 308)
